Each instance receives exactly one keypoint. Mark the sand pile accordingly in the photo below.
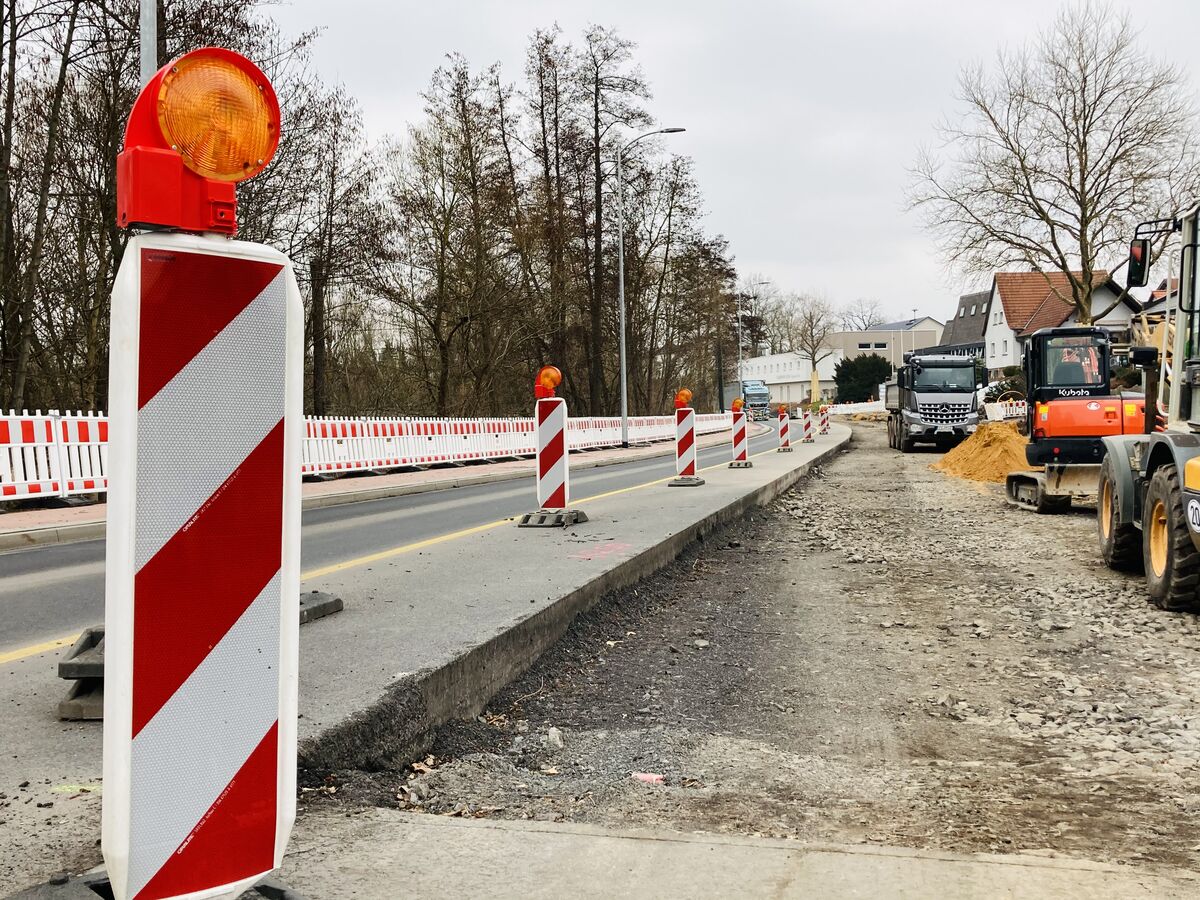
(993, 451)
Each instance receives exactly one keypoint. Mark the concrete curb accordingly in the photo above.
(400, 726)
(91, 531)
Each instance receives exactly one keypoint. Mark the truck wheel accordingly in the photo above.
(1172, 562)
(906, 443)
(1120, 542)
(892, 433)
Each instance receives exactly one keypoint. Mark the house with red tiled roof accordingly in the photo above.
(1024, 302)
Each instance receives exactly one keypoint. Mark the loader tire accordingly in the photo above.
(1120, 542)
(1172, 561)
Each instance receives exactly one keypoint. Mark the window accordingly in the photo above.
(962, 312)
(973, 308)
(1006, 346)
(1073, 361)
(992, 352)
(866, 346)
(882, 346)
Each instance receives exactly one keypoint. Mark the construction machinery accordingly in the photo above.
(931, 400)
(1148, 512)
(1070, 410)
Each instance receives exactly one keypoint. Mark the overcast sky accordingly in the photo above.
(803, 117)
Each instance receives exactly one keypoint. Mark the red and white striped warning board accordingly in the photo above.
(785, 433)
(740, 443)
(824, 420)
(203, 562)
(553, 473)
(685, 442)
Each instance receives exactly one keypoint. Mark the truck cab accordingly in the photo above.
(758, 398)
(931, 400)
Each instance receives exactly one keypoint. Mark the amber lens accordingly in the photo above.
(549, 377)
(737, 404)
(683, 396)
(218, 118)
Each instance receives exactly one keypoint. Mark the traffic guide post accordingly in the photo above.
(552, 457)
(203, 553)
(685, 442)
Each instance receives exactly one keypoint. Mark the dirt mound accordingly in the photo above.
(993, 451)
(869, 417)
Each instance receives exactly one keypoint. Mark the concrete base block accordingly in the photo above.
(552, 518)
(316, 605)
(784, 450)
(741, 464)
(686, 481)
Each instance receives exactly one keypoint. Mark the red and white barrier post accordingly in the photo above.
(741, 443)
(808, 428)
(685, 442)
(785, 433)
(824, 420)
(202, 575)
(553, 458)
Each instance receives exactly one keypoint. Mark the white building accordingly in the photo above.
(1023, 302)
(789, 376)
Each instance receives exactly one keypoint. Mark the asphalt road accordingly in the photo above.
(49, 592)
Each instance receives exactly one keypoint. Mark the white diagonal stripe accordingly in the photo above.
(187, 445)
(215, 720)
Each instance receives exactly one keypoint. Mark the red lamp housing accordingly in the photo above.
(204, 122)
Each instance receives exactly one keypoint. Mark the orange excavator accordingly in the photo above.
(1071, 408)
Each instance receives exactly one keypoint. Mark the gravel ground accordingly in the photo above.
(886, 655)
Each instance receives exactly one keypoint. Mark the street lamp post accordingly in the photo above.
(621, 274)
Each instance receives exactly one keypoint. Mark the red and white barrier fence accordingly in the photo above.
(65, 454)
(52, 455)
(1009, 409)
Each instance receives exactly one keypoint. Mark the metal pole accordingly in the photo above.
(148, 39)
(621, 297)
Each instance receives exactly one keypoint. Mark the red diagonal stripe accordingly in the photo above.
(235, 839)
(551, 453)
(685, 442)
(187, 300)
(190, 592)
(739, 435)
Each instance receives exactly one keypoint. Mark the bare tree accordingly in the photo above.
(816, 321)
(1060, 151)
(861, 315)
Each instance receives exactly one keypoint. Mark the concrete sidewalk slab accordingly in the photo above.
(381, 853)
(61, 525)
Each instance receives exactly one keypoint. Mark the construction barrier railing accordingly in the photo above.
(65, 454)
(1009, 409)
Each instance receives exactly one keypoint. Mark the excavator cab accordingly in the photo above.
(1067, 362)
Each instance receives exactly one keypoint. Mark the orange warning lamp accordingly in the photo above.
(204, 122)
(682, 398)
(737, 404)
(783, 409)
(548, 378)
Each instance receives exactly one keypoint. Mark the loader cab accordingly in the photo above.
(1067, 362)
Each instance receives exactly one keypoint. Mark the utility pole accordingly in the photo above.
(621, 275)
(148, 39)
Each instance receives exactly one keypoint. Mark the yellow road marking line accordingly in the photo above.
(34, 650)
(14, 655)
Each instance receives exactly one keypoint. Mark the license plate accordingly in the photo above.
(945, 429)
